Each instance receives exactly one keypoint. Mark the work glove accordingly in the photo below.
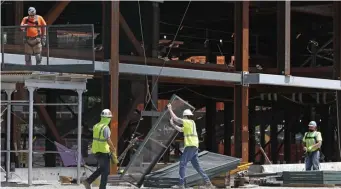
(113, 158)
(43, 40)
(310, 148)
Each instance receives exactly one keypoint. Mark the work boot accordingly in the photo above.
(178, 187)
(209, 185)
(86, 184)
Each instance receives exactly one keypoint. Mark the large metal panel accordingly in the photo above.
(213, 164)
(312, 177)
(155, 144)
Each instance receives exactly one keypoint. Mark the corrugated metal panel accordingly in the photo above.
(312, 177)
(213, 164)
(155, 144)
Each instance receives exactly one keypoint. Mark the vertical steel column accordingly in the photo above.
(8, 133)
(283, 37)
(50, 158)
(337, 67)
(287, 135)
(262, 128)
(30, 135)
(274, 133)
(79, 135)
(114, 78)
(228, 127)
(241, 93)
(252, 132)
(211, 144)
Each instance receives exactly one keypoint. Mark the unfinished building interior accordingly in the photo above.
(256, 73)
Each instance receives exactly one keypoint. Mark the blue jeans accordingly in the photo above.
(312, 161)
(190, 154)
(103, 170)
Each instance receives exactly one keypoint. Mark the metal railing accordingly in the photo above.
(62, 41)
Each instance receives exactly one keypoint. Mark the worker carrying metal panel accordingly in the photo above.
(35, 36)
(191, 140)
(312, 142)
(104, 150)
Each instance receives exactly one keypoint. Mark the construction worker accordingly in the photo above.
(102, 147)
(35, 36)
(191, 141)
(312, 142)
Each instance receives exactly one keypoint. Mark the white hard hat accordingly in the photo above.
(187, 112)
(106, 113)
(32, 11)
(312, 124)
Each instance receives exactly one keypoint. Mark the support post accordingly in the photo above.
(283, 37)
(241, 93)
(211, 144)
(30, 135)
(337, 67)
(274, 134)
(228, 127)
(114, 79)
(252, 132)
(79, 135)
(8, 134)
(287, 135)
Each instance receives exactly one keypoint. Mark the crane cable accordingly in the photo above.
(163, 65)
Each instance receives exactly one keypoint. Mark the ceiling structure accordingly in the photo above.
(213, 21)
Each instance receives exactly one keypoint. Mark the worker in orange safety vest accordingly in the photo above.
(35, 36)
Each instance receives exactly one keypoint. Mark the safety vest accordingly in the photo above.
(310, 138)
(99, 143)
(190, 133)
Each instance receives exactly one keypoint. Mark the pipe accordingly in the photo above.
(79, 136)
(8, 133)
(30, 136)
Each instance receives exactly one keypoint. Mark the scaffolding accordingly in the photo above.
(41, 80)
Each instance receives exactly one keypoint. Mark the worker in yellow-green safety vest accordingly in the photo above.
(191, 141)
(312, 142)
(103, 148)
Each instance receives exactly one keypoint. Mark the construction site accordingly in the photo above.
(255, 74)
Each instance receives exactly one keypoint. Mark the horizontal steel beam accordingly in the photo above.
(46, 84)
(291, 81)
(179, 73)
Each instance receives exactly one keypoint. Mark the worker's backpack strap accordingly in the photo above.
(34, 22)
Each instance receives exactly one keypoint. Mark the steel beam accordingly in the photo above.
(210, 139)
(130, 35)
(337, 67)
(291, 81)
(180, 73)
(283, 37)
(67, 85)
(241, 92)
(56, 10)
(228, 130)
(114, 71)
